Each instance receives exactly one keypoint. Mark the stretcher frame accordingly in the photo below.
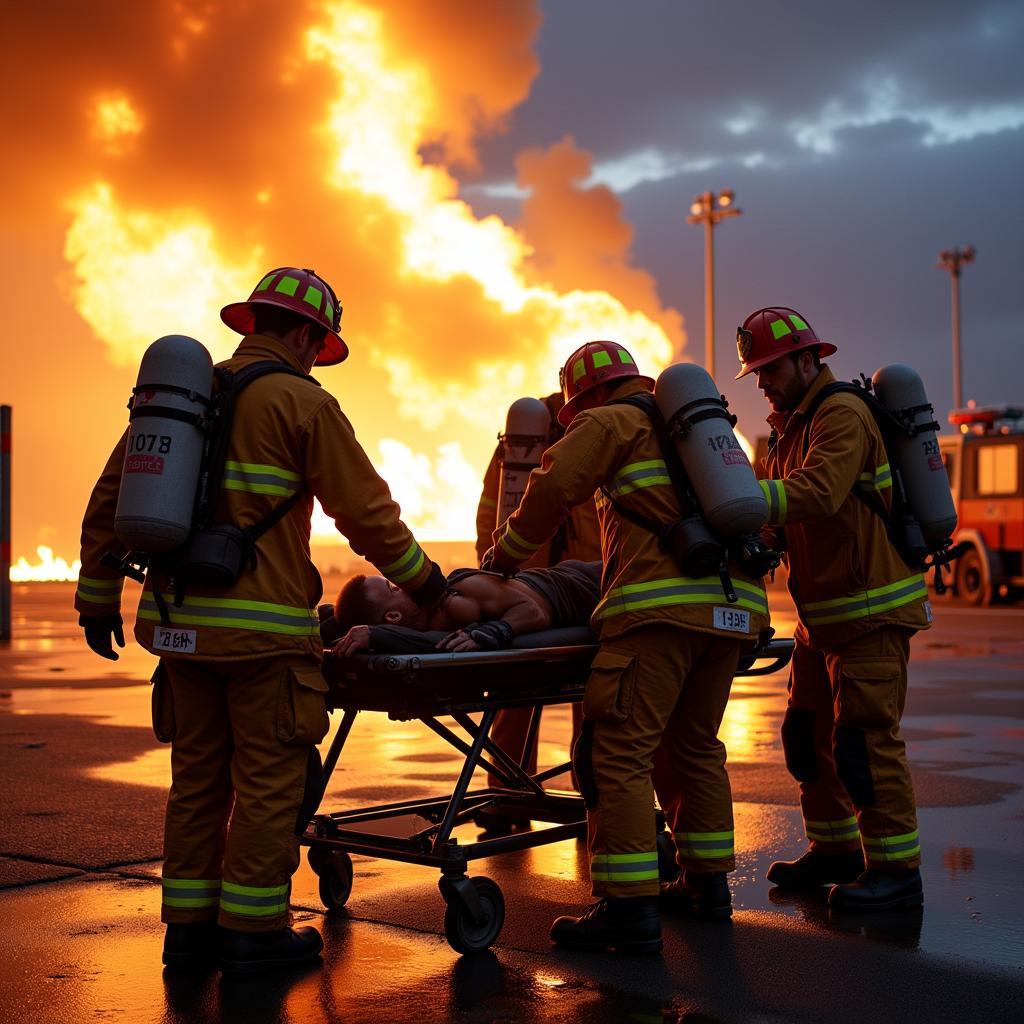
(429, 687)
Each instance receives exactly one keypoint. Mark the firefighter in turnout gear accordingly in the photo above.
(661, 679)
(858, 605)
(578, 537)
(238, 692)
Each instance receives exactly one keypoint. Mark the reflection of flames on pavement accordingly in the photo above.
(958, 860)
(46, 569)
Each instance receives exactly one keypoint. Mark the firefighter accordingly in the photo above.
(661, 678)
(578, 537)
(238, 692)
(858, 605)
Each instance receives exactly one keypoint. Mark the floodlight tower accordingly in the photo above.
(710, 209)
(952, 260)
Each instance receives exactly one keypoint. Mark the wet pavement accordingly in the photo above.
(83, 784)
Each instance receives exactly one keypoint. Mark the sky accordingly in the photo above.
(487, 186)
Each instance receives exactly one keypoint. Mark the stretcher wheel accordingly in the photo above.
(667, 866)
(335, 874)
(463, 934)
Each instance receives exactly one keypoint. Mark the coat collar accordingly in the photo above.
(263, 347)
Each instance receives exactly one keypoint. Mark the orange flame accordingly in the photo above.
(47, 569)
(143, 272)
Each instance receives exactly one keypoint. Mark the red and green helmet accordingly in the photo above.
(773, 332)
(596, 362)
(302, 292)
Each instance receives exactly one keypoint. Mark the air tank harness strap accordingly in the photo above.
(680, 425)
(870, 498)
(899, 522)
(689, 507)
(136, 411)
(905, 417)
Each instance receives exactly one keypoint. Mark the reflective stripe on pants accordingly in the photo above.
(653, 705)
(855, 695)
(237, 786)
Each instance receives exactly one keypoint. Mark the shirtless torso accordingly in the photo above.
(474, 597)
(484, 596)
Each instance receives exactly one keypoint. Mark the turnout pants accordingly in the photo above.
(841, 735)
(652, 708)
(246, 777)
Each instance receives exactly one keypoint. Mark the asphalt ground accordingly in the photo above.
(83, 783)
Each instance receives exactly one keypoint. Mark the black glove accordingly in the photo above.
(431, 592)
(490, 636)
(99, 630)
(491, 562)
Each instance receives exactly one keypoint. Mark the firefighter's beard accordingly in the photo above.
(785, 394)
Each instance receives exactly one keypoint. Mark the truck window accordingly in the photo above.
(949, 461)
(998, 469)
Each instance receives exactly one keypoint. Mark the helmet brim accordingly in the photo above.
(825, 348)
(239, 317)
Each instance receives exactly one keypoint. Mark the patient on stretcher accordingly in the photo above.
(480, 610)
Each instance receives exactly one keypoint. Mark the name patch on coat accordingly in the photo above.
(734, 619)
(180, 641)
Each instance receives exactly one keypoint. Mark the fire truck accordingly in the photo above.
(985, 464)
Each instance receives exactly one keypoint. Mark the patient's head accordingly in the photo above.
(375, 601)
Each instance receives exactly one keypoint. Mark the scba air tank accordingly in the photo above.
(900, 389)
(165, 445)
(527, 428)
(719, 471)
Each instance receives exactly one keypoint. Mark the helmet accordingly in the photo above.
(773, 332)
(302, 292)
(594, 363)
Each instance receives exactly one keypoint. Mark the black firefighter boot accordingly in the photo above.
(196, 944)
(627, 924)
(879, 890)
(704, 896)
(254, 952)
(815, 869)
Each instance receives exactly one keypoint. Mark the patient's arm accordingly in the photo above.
(356, 639)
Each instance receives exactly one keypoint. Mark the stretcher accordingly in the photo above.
(457, 697)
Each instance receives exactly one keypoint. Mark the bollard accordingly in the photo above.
(5, 522)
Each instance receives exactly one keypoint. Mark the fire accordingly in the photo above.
(379, 123)
(137, 270)
(47, 569)
(115, 122)
(140, 272)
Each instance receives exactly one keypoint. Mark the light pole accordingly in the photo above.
(952, 260)
(709, 209)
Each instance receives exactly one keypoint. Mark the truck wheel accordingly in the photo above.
(970, 580)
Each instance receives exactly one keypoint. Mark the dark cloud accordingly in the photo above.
(879, 139)
(674, 75)
(852, 243)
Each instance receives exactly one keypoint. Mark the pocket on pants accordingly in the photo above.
(302, 717)
(610, 688)
(867, 693)
(164, 725)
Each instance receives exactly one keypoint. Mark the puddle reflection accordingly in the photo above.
(901, 928)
